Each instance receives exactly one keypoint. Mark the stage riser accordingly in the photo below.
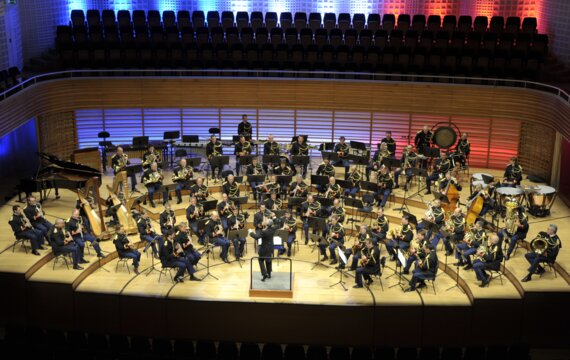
(539, 319)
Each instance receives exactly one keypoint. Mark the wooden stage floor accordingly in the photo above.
(34, 278)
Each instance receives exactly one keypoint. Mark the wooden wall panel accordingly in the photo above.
(59, 96)
(536, 147)
(57, 134)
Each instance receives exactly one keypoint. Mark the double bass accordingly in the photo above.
(452, 195)
(474, 208)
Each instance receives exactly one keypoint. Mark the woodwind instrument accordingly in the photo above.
(299, 188)
(178, 250)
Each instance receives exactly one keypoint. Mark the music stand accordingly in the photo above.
(320, 180)
(341, 257)
(209, 205)
(190, 139)
(239, 201)
(318, 226)
(391, 163)
(284, 180)
(317, 238)
(358, 205)
(325, 202)
(411, 218)
(244, 160)
(368, 186)
(487, 179)
(420, 173)
(441, 197)
(238, 234)
(402, 263)
(270, 159)
(301, 160)
(328, 146)
(140, 141)
(330, 155)
(219, 162)
(193, 162)
(295, 201)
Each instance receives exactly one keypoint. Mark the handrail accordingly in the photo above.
(307, 75)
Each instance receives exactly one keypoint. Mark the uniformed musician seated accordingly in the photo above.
(435, 215)
(377, 159)
(545, 248)
(369, 264)
(416, 252)
(444, 184)
(300, 148)
(172, 255)
(167, 219)
(231, 187)
(289, 224)
(62, 243)
(152, 179)
(272, 202)
(409, 159)
(423, 140)
(255, 168)
(325, 169)
(401, 239)
(23, 229)
(441, 166)
(199, 190)
(36, 215)
(193, 213)
(426, 268)
(353, 180)
(488, 201)
(268, 186)
(335, 238)
(237, 222)
(513, 173)
(215, 232)
(390, 143)
(80, 231)
(151, 156)
(270, 147)
(182, 176)
(520, 229)
(332, 190)
(455, 232)
(283, 168)
(385, 185)
(380, 227)
(225, 208)
(488, 258)
(183, 238)
(469, 246)
(258, 218)
(125, 249)
(359, 245)
(310, 208)
(119, 163)
(148, 234)
(245, 128)
(298, 188)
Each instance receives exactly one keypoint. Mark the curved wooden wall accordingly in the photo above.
(533, 108)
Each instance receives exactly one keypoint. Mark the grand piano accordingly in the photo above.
(57, 174)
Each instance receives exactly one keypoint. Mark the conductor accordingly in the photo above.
(265, 250)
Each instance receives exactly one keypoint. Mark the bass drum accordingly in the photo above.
(445, 137)
(540, 199)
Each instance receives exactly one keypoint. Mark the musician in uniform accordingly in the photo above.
(23, 229)
(270, 147)
(167, 219)
(199, 190)
(181, 177)
(225, 209)
(423, 140)
(272, 202)
(231, 187)
(36, 215)
(353, 179)
(385, 185)
(148, 234)
(237, 222)
(214, 149)
(254, 168)
(520, 231)
(184, 241)
(119, 163)
(325, 169)
(152, 179)
(174, 257)
(409, 158)
(335, 238)
(434, 215)
(370, 264)
(290, 224)
(244, 128)
(455, 230)
(242, 148)
(298, 188)
(380, 227)
(441, 166)
(376, 162)
(544, 255)
(341, 149)
(332, 190)
(426, 268)
(150, 156)
(80, 232)
(463, 149)
(469, 247)
(258, 217)
(513, 173)
(266, 248)
(215, 232)
(338, 210)
(193, 213)
(62, 243)
(488, 258)
(283, 169)
(401, 239)
(310, 208)
(488, 201)
(444, 184)
(416, 252)
(125, 249)
(300, 148)
(390, 143)
(359, 245)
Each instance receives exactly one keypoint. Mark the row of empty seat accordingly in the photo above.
(9, 78)
(300, 20)
(73, 345)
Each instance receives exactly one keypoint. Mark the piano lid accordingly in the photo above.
(67, 166)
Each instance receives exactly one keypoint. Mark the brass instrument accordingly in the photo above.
(26, 221)
(355, 178)
(218, 230)
(381, 156)
(217, 151)
(245, 148)
(258, 169)
(290, 225)
(121, 163)
(343, 150)
(331, 192)
(482, 251)
(185, 174)
(202, 192)
(277, 204)
(539, 244)
(429, 214)
(411, 156)
(397, 233)
(234, 189)
(153, 178)
(67, 238)
(170, 222)
(335, 234)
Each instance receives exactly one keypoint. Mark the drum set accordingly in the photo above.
(538, 199)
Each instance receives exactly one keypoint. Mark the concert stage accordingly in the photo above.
(115, 301)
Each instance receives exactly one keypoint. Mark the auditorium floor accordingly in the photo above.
(310, 286)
